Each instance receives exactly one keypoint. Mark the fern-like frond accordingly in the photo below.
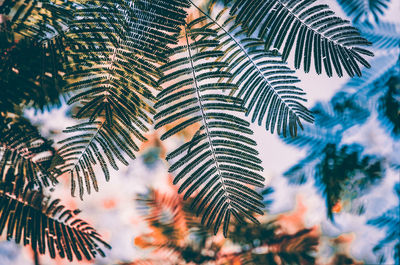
(267, 87)
(34, 219)
(361, 10)
(95, 143)
(30, 72)
(114, 49)
(32, 50)
(373, 79)
(312, 30)
(25, 152)
(220, 160)
(37, 19)
(265, 83)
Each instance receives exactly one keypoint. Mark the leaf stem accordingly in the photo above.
(204, 117)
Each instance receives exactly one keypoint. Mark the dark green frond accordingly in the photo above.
(115, 49)
(265, 83)
(37, 19)
(32, 51)
(96, 143)
(30, 72)
(26, 153)
(267, 86)
(33, 219)
(220, 153)
(311, 30)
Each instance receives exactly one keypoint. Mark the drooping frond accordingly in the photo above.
(32, 51)
(115, 47)
(25, 152)
(265, 83)
(30, 73)
(95, 143)
(219, 162)
(37, 19)
(311, 30)
(267, 87)
(33, 219)
(361, 10)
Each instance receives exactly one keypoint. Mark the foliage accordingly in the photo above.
(383, 36)
(25, 153)
(390, 220)
(264, 244)
(336, 166)
(176, 237)
(31, 46)
(109, 58)
(29, 75)
(226, 160)
(264, 82)
(34, 219)
(113, 49)
(389, 106)
(28, 164)
(342, 171)
(314, 28)
(361, 10)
